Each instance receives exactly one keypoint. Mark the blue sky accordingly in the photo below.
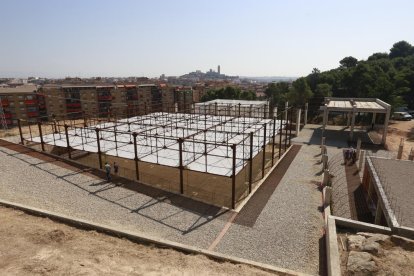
(52, 38)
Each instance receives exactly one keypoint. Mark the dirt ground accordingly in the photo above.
(31, 245)
(398, 130)
(393, 258)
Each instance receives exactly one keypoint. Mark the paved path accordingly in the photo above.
(289, 230)
(286, 231)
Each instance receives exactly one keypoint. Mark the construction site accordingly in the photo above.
(216, 152)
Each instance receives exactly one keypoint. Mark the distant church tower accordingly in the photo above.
(218, 69)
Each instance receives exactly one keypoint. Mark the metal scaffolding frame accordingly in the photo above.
(195, 141)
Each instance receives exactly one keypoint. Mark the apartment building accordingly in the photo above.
(183, 98)
(22, 102)
(75, 101)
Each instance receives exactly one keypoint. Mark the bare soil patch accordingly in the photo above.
(387, 255)
(31, 245)
(398, 130)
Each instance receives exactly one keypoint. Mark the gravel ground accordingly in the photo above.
(47, 186)
(287, 233)
(291, 220)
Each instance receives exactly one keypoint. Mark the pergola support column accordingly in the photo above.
(298, 113)
(305, 115)
(387, 118)
(351, 134)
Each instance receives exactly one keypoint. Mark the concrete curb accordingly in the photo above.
(146, 239)
(362, 226)
(334, 262)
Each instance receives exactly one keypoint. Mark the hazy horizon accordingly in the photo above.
(265, 38)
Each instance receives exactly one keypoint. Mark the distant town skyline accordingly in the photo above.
(93, 38)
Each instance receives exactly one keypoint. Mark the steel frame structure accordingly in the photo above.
(196, 141)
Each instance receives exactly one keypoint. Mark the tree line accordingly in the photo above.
(387, 76)
(229, 92)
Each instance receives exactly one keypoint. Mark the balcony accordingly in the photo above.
(132, 98)
(105, 98)
(32, 114)
(73, 105)
(7, 115)
(74, 110)
(5, 102)
(30, 102)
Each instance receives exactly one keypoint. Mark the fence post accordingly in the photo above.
(233, 179)
(20, 131)
(324, 161)
(290, 126)
(180, 152)
(273, 142)
(280, 136)
(42, 143)
(99, 147)
(325, 180)
(400, 149)
(411, 155)
(264, 150)
(286, 131)
(136, 155)
(251, 163)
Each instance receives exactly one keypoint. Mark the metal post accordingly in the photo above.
(280, 137)
(290, 126)
(273, 142)
(181, 167)
(42, 143)
(136, 155)
(99, 147)
(20, 131)
(67, 141)
(251, 163)
(233, 179)
(286, 130)
(116, 142)
(264, 150)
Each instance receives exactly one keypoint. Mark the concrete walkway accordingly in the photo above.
(286, 231)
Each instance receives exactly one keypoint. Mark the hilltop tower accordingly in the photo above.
(218, 69)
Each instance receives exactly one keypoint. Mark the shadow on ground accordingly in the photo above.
(204, 212)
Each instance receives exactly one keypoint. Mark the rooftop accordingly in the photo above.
(361, 104)
(18, 89)
(233, 102)
(396, 177)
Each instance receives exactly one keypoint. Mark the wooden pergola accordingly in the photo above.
(352, 106)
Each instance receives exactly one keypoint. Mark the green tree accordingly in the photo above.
(401, 49)
(300, 92)
(323, 90)
(348, 62)
(276, 93)
(377, 56)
